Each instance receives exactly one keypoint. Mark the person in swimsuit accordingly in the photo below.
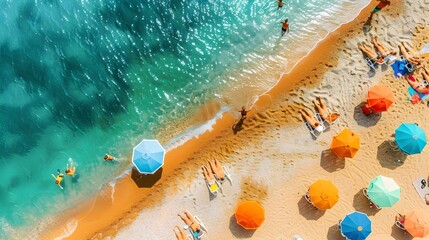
(180, 235)
(308, 117)
(70, 170)
(243, 113)
(108, 157)
(381, 5)
(425, 74)
(217, 169)
(416, 85)
(324, 112)
(370, 53)
(383, 50)
(409, 54)
(280, 4)
(190, 221)
(285, 26)
(59, 178)
(208, 176)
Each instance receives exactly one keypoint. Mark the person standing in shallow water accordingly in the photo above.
(285, 27)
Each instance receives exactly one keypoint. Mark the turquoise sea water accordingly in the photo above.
(82, 78)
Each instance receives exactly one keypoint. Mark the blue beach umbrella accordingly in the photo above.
(410, 138)
(148, 156)
(355, 226)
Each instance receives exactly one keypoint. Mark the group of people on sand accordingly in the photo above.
(70, 171)
(324, 113)
(383, 51)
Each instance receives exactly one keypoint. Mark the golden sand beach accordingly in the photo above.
(273, 159)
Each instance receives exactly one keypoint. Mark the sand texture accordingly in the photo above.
(273, 158)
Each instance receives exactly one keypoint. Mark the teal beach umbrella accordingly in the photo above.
(410, 138)
(355, 226)
(383, 191)
(148, 156)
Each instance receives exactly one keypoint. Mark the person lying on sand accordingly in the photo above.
(409, 54)
(70, 170)
(308, 117)
(324, 112)
(416, 85)
(190, 221)
(180, 235)
(369, 51)
(425, 75)
(383, 50)
(208, 176)
(217, 169)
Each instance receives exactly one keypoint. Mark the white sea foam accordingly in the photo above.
(68, 230)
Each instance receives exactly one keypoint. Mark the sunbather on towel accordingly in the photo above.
(383, 50)
(323, 111)
(417, 86)
(208, 176)
(409, 54)
(308, 117)
(217, 169)
(425, 74)
(180, 235)
(190, 221)
(369, 51)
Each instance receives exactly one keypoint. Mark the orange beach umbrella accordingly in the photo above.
(345, 144)
(250, 214)
(380, 98)
(414, 227)
(323, 194)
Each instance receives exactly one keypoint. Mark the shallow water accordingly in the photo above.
(82, 78)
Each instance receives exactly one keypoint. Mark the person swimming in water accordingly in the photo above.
(280, 4)
(285, 26)
(70, 170)
(59, 178)
(108, 157)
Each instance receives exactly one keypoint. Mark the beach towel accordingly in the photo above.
(399, 68)
(418, 186)
(413, 93)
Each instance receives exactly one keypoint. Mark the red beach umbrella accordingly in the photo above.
(380, 98)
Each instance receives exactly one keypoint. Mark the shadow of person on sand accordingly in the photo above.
(145, 180)
(238, 230)
(367, 25)
(238, 126)
(365, 121)
(309, 211)
(361, 204)
(388, 156)
(331, 162)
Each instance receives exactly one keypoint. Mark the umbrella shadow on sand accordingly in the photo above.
(331, 162)
(143, 180)
(334, 233)
(361, 204)
(400, 234)
(389, 156)
(237, 230)
(363, 120)
(309, 211)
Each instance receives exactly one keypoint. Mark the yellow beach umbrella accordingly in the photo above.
(323, 194)
(345, 144)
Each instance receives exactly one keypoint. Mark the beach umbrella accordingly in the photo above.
(355, 226)
(414, 227)
(410, 138)
(250, 214)
(148, 156)
(380, 98)
(345, 144)
(323, 194)
(383, 191)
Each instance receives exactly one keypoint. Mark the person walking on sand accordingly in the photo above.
(285, 26)
(280, 4)
(108, 157)
(381, 5)
(243, 113)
